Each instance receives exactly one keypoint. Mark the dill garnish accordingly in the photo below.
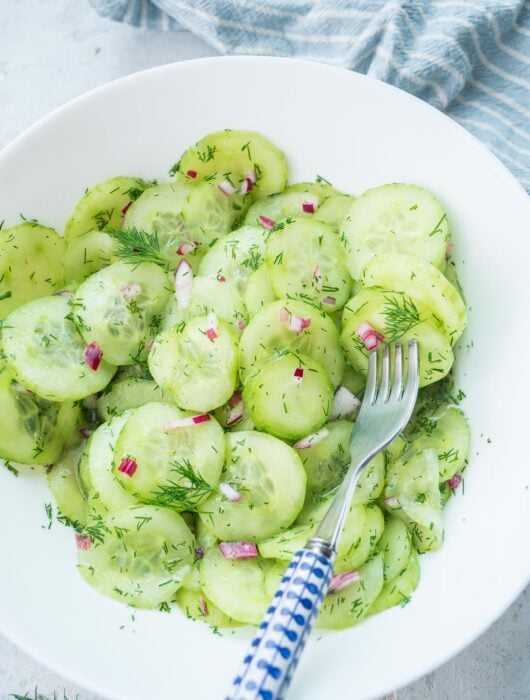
(137, 246)
(401, 315)
(184, 494)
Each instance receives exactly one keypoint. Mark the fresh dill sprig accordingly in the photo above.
(137, 246)
(187, 492)
(401, 314)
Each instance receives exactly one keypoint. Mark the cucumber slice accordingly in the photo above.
(321, 188)
(31, 264)
(143, 558)
(334, 210)
(284, 404)
(396, 448)
(177, 467)
(299, 202)
(209, 295)
(258, 291)
(64, 485)
(87, 254)
(130, 392)
(395, 545)
(394, 219)
(364, 546)
(271, 480)
(199, 373)
(399, 590)
(447, 431)
(267, 334)
(236, 586)
(347, 606)
(70, 420)
(352, 379)
(104, 493)
(304, 260)
(397, 318)
(196, 606)
(234, 154)
(412, 486)
(47, 354)
(29, 434)
(102, 206)
(424, 284)
(120, 308)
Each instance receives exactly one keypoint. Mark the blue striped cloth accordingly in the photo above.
(469, 58)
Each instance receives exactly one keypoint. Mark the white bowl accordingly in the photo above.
(357, 132)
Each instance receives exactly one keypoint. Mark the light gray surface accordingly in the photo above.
(54, 50)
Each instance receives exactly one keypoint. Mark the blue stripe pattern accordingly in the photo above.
(469, 58)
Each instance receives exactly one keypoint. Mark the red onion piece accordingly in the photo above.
(298, 323)
(344, 404)
(93, 355)
(221, 278)
(85, 432)
(241, 325)
(185, 422)
(246, 186)
(213, 327)
(192, 174)
(310, 205)
(125, 210)
(229, 492)
(370, 337)
(183, 280)
(203, 606)
(83, 541)
(238, 550)
(128, 466)
(311, 440)
(298, 376)
(64, 293)
(340, 581)
(266, 222)
(227, 188)
(236, 409)
(252, 176)
(455, 481)
(199, 552)
(330, 301)
(186, 247)
(131, 291)
(392, 502)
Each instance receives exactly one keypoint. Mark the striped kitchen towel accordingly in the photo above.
(470, 58)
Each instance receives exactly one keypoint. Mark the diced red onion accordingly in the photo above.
(67, 294)
(310, 205)
(340, 581)
(344, 404)
(312, 439)
(236, 409)
(211, 330)
(252, 176)
(185, 422)
(246, 186)
(203, 606)
(131, 291)
(199, 552)
(370, 337)
(298, 323)
(235, 398)
(125, 210)
(229, 492)
(183, 280)
(266, 222)
(93, 355)
(221, 278)
(186, 247)
(85, 432)
(238, 550)
(330, 301)
(455, 481)
(241, 325)
(128, 466)
(298, 376)
(392, 502)
(227, 188)
(83, 541)
(192, 174)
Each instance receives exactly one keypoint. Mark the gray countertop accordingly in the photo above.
(52, 51)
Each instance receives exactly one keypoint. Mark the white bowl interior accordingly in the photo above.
(357, 133)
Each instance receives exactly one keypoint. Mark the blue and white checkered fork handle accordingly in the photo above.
(275, 650)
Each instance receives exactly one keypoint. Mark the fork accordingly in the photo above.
(274, 653)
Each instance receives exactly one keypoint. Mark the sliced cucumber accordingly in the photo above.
(267, 334)
(394, 219)
(395, 545)
(396, 448)
(398, 590)
(47, 354)
(320, 188)
(334, 210)
(258, 291)
(304, 260)
(287, 405)
(284, 205)
(129, 392)
(234, 154)
(120, 308)
(364, 546)
(175, 467)
(397, 318)
(102, 206)
(70, 420)
(195, 605)
(31, 264)
(143, 558)
(270, 478)
(87, 254)
(424, 284)
(347, 606)
(63, 481)
(196, 363)
(209, 295)
(352, 379)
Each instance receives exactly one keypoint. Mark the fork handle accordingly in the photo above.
(274, 653)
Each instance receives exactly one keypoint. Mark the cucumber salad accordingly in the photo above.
(187, 359)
